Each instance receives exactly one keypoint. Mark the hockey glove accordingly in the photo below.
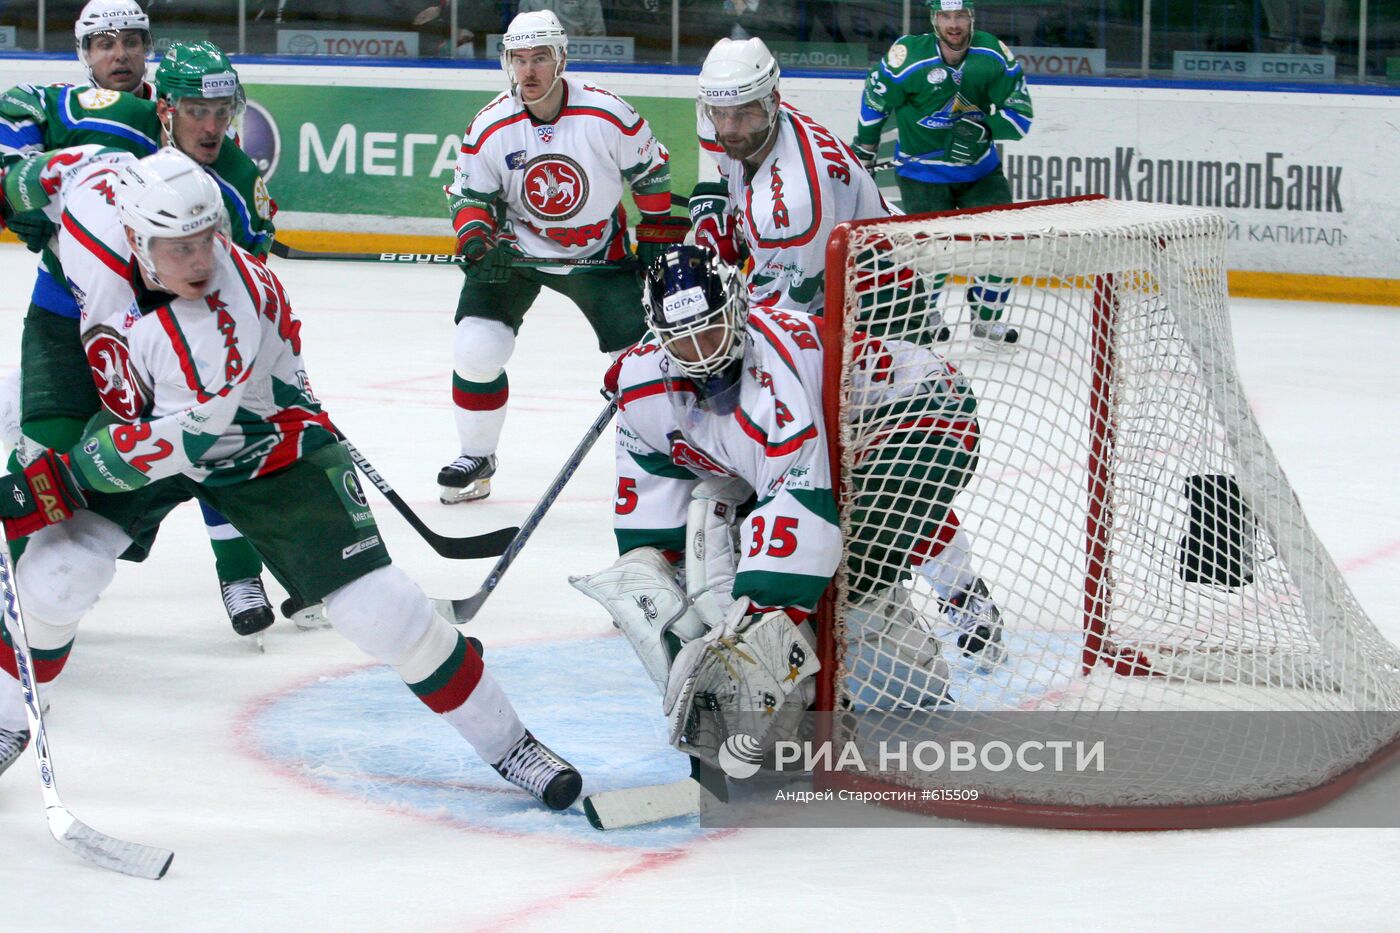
(658, 233)
(45, 493)
(714, 227)
(969, 141)
(30, 225)
(866, 155)
(24, 189)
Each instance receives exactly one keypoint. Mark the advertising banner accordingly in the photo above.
(379, 159)
(376, 43)
(1253, 65)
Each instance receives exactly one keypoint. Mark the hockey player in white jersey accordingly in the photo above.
(788, 181)
(541, 175)
(720, 412)
(197, 357)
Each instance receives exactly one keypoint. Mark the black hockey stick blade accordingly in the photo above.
(129, 858)
(472, 547)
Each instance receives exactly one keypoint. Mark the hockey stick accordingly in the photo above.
(639, 806)
(130, 858)
(469, 548)
(438, 259)
(464, 610)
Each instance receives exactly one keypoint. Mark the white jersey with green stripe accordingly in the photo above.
(560, 182)
(668, 439)
(214, 388)
(787, 208)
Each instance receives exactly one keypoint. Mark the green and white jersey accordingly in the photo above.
(37, 118)
(774, 439)
(212, 388)
(926, 96)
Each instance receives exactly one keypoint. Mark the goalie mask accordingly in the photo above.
(952, 22)
(739, 96)
(695, 305)
(538, 29)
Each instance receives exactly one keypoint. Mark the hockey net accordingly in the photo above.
(1154, 572)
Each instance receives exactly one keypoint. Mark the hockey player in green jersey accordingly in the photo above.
(198, 97)
(952, 94)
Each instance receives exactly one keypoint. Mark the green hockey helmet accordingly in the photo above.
(197, 70)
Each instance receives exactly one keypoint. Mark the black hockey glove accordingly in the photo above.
(969, 141)
(866, 155)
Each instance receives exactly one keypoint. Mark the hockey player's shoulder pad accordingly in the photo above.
(638, 374)
(986, 45)
(789, 332)
(908, 55)
(591, 99)
(502, 111)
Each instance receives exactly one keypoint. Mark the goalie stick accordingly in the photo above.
(284, 251)
(464, 610)
(130, 858)
(640, 806)
(471, 547)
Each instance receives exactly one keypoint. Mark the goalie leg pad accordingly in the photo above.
(749, 680)
(641, 594)
(712, 546)
(894, 662)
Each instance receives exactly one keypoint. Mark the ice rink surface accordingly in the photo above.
(306, 789)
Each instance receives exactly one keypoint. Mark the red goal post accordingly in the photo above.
(1130, 520)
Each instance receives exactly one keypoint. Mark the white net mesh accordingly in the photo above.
(1122, 510)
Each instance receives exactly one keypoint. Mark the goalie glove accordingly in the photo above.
(715, 229)
(750, 677)
(658, 233)
(968, 141)
(45, 493)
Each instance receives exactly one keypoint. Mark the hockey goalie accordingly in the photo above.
(727, 523)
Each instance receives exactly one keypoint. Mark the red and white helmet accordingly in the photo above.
(166, 194)
(102, 16)
(533, 30)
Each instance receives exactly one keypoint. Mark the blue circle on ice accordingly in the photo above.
(365, 735)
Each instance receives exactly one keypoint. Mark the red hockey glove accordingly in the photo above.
(714, 226)
(658, 233)
(46, 493)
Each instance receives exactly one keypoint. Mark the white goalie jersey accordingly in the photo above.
(809, 183)
(775, 440)
(213, 389)
(562, 182)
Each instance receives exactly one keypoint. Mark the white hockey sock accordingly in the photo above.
(487, 720)
(480, 351)
(949, 569)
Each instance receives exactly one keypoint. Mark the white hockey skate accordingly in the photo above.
(978, 621)
(466, 479)
(531, 766)
(12, 745)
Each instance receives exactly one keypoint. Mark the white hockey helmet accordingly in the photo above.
(533, 30)
(103, 16)
(166, 194)
(736, 72)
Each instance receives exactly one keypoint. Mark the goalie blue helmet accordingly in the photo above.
(696, 306)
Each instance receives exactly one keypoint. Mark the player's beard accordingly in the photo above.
(751, 145)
